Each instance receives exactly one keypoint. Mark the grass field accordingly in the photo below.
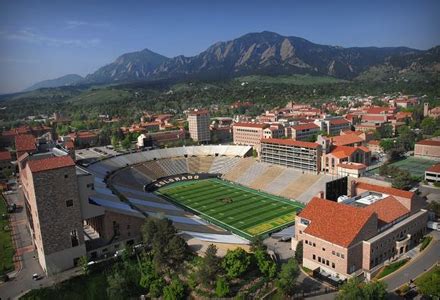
(6, 248)
(415, 166)
(241, 210)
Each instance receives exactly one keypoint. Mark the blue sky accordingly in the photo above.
(45, 39)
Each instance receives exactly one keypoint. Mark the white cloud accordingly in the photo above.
(72, 24)
(35, 38)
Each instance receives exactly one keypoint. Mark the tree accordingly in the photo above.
(355, 289)
(429, 283)
(169, 250)
(126, 142)
(402, 180)
(265, 264)
(175, 290)
(257, 244)
(221, 287)
(299, 252)
(119, 286)
(406, 138)
(236, 262)
(428, 125)
(434, 206)
(386, 144)
(375, 290)
(209, 267)
(287, 277)
(83, 263)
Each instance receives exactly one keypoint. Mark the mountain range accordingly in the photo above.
(264, 53)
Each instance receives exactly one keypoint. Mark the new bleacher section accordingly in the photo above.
(251, 173)
(266, 177)
(234, 173)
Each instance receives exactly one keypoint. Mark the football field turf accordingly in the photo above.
(241, 210)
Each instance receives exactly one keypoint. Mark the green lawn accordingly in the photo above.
(6, 247)
(241, 210)
(81, 287)
(392, 268)
(416, 166)
(429, 283)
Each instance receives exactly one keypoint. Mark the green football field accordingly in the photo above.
(241, 210)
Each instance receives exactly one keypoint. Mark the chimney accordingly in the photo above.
(320, 195)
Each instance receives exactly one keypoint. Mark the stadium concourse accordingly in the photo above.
(129, 173)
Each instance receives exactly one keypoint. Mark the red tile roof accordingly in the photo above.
(334, 222)
(5, 156)
(290, 142)
(51, 163)
(428, 143)
(374, 142)
(384, 190)
(434, 168)
(346, 139)
(388, 209)
(342, 151)
(338, 121)
(252, 125)
(25, 142)
(305, 126)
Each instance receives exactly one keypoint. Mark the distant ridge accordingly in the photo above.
(268, 53)
(65, 80)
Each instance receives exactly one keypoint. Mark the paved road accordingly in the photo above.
(417, 266)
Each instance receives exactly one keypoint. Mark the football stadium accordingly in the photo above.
(213, 193)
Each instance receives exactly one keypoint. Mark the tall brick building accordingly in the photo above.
(53, 209)
(64, 221)
(198, 125)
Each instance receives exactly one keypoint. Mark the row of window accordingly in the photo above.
(324, 261)
(338, 254)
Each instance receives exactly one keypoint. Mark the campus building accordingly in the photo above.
(198, 124)
(64, 221)
(339, 155)
(429, 149)
(355, 236)
(249, 134)
(293, 154)
(432, 174)
(305, 132)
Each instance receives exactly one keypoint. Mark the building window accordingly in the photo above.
(333, 252)
(69, 203)
(74, 238)
(342, 255)
(327, 262)
(128, 226)
(319, 259)
(333, 265)
(314, 257)
(307, 242)
(314, 245)
(65, 175)
(323, 249)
